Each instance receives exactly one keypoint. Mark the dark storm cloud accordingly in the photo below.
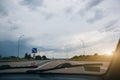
(32, 4)
(10, 48)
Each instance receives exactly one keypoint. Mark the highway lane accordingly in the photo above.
(78, 70)
(22, 63)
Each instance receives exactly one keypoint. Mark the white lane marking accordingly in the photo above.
(42, 65)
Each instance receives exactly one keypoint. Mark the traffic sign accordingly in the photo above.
(34, 50)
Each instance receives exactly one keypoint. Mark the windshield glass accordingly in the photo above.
(58, 36)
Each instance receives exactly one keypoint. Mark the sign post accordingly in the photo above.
(34, 50)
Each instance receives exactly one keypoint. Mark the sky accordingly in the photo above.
(59, 28)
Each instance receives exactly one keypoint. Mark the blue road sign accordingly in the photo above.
(34, 50)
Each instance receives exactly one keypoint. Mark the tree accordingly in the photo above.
(29, 56)
(38, 57)
(44, 57)
(26, 55)
(0, 56)
(96, 54)
(12, 57)
(75, 57)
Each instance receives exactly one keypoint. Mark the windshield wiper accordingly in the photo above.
(3, 67)
(62, 66)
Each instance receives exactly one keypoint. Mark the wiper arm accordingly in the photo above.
(62, 66)
(4, 67)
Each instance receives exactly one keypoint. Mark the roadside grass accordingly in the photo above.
(92, 58)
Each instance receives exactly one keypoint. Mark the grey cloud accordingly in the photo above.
(32, 4)
(8, 29)
(57, 50)
(44, 49)
(14, 28)
(93, 3)
(97, 16)
(111, 27)
(48, 16)
(3, 8)
(90, 5)
(69, 10)
(12, 25)
(82, 13)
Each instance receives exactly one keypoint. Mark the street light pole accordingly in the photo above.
(83, 46)
(67, 56)
(19, 44)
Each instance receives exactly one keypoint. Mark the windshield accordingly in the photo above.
(58, 36)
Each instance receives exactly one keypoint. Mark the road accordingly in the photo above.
(21, 63)
(53, 63)
(78, 70)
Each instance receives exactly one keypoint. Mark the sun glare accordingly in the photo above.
(109, 53)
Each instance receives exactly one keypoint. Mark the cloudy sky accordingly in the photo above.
(59, 28)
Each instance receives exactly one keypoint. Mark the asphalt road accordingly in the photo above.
(50, 64)
(23, 63)
(77, 70)
(20, 64)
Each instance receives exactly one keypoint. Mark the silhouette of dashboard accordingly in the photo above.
(47, 77)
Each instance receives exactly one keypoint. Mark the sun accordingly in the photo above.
(109, 53)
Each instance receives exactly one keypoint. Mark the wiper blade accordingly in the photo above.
(62, 66)
(3, 67)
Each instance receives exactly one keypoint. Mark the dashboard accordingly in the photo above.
(47, 77)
